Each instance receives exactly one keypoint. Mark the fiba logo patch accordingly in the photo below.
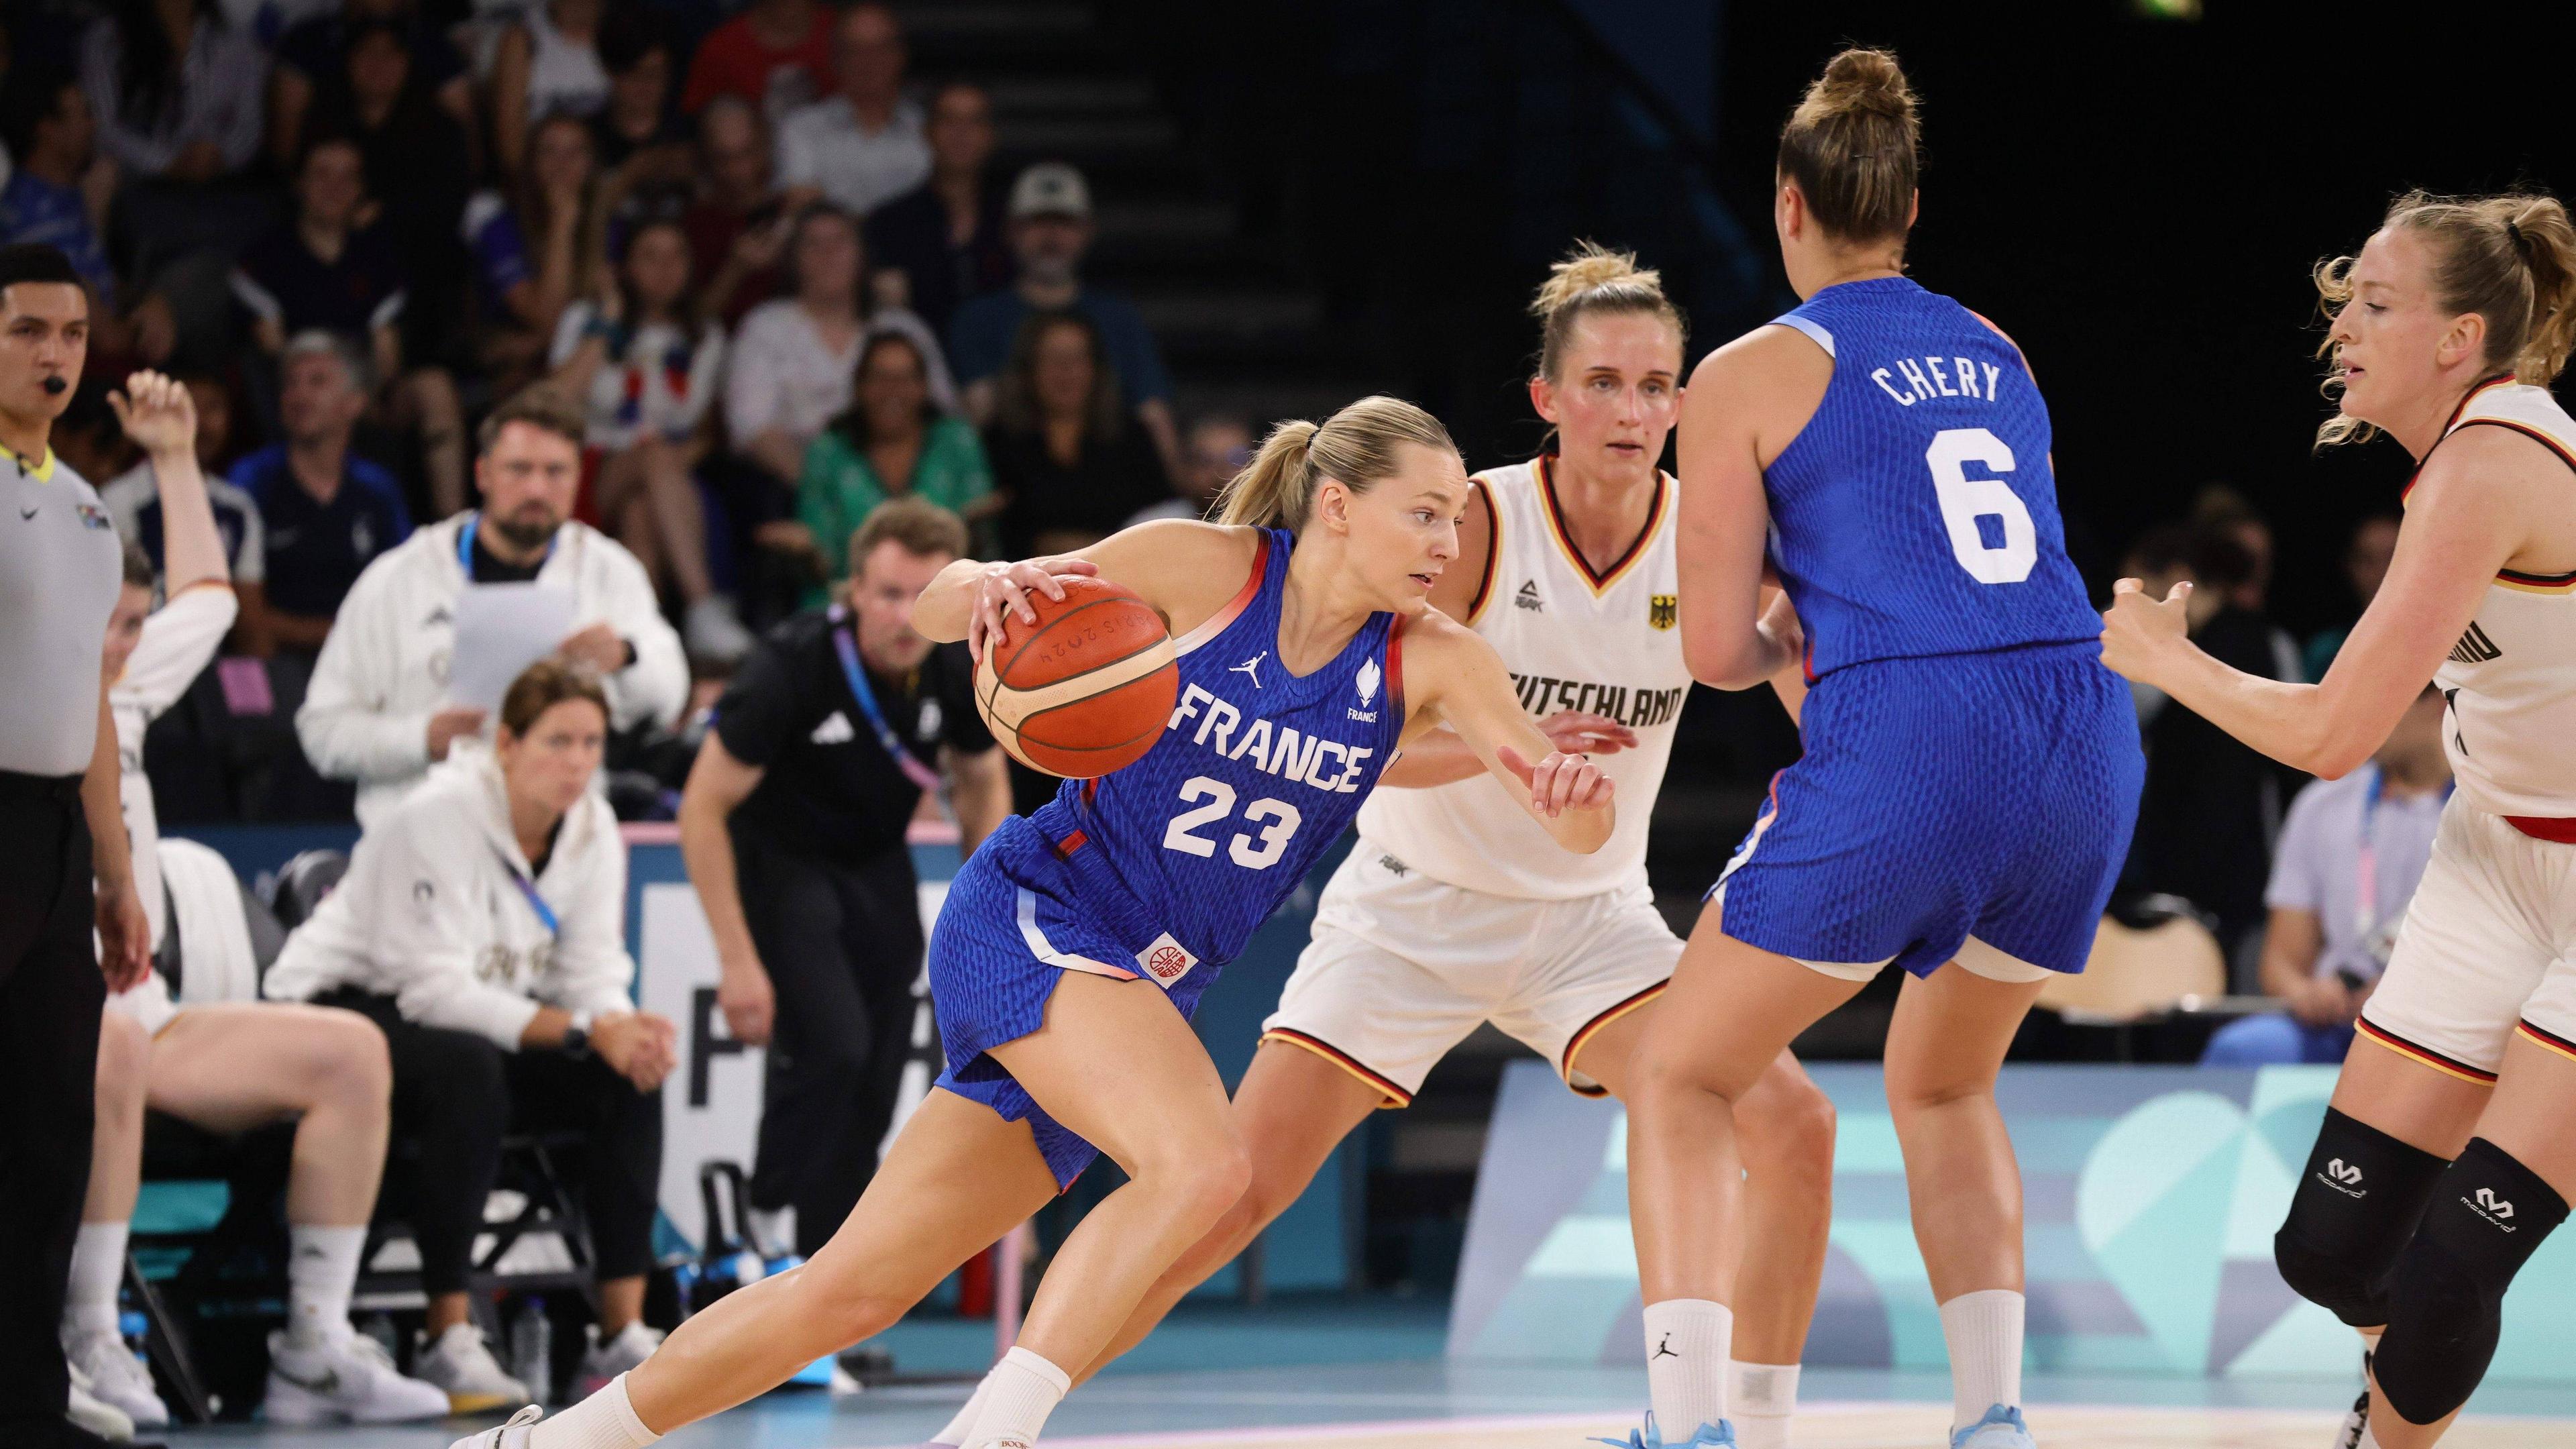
(1663, 610)
(2493, 1208)
(2343, 1178)
(1166, 960)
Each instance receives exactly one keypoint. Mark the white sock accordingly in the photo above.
(964, 1423)
(605, 1420)
(1983, 1330)
(1018, 1395)
(321, 1269)
(1686, 1343)
(1761, 1397)
(98, 1270)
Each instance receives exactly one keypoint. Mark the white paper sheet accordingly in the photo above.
(501, 629)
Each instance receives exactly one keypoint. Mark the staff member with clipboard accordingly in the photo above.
(483, 927)
(793, 829)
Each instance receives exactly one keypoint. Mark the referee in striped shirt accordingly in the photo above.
(60, 567)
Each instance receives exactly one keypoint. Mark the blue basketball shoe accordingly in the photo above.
(2001, 1428)
(1720, 1435)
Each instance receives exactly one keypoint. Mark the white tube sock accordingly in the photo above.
(605, 1420)
(1761, 1397)
(321, 1270)
(1019, 1394)
(1686, 1344)
(964, 1422)
(1983, 1330)
(98, 1270)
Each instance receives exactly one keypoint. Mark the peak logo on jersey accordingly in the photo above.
(1663, 611)
(2475, 647)
(834, 730)
(1528, 597)
(1166, 960)
(1310, 758)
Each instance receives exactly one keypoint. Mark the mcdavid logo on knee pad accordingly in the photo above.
(2493, 1208)
(2343, 1178)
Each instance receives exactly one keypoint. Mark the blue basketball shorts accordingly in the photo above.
(1004, 938)
(1974, 807)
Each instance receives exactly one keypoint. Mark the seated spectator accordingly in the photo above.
(419, 167)
(2365, 568)
(1071, 466)
(862, 144)
(57, 194)
(2210, 805)
(484, 932)
(641, 142)
(889, 443)
(176, 89)
(2370, 831)
(377, 711)
(794, 358)
(223, 1066)
(315, 55)
(1217, 448)
(738, 225)
(133, 499)
(945, 237)
(2221, 509)
(645, 367)
(327, 513)
(776, 56)
(1050, 231)
(537, 249)
(547, 65)
(328, 270)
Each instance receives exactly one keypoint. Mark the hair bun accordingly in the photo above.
(1868, 81)
(1586, 268)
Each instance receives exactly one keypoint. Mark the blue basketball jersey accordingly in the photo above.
(1916, 514)
(1257, 772)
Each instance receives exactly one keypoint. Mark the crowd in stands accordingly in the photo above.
(777, 272)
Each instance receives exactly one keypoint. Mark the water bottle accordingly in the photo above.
(532, 1347)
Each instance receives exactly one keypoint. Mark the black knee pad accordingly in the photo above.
(2356, 1205)
(2446, 1305)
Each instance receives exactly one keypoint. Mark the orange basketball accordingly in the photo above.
(1084, 690)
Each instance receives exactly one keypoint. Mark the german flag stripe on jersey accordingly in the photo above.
(1395, 1096)
(1493, 552)
(2548, 1040)
(1574, 1045)
(2426, 1056)
(2448, 426)
(1600, 582)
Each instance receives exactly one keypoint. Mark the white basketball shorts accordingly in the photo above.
(1402, 967)
(2488, 948)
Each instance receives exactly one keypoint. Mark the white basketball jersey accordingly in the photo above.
(1609, 644)
(2511, 680)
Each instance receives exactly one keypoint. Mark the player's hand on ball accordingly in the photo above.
(157, 413)
(1002, 591)
(1580, 732)
(2137, 630)
(1559, 783)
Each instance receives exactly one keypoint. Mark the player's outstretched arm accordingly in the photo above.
(1185, 571)
(1451, 674)
(2463, 523)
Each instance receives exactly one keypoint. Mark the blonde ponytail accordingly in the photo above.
(2510, 259)
(1592, 278)
(1355, 447)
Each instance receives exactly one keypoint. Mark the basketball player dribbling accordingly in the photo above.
(1076, 942)
(1455, 909)
(1971, 770)
(2448, 1152)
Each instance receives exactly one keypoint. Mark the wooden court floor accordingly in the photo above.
(1857, 1426)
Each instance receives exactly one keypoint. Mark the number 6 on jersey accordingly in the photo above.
(1277, 818)
(1964, 500)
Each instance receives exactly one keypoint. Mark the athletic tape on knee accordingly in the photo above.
(2356, 1206)
(2489, 1214)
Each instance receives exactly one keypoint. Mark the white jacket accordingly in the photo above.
(431, 913)
(383, 670)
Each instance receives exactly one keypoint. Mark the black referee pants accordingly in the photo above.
(842, 944)
(456, 1093)
(50, 996)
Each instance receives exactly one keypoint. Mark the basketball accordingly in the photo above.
(1086, 689)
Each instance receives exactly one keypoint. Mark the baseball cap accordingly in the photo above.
(1050, 188)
